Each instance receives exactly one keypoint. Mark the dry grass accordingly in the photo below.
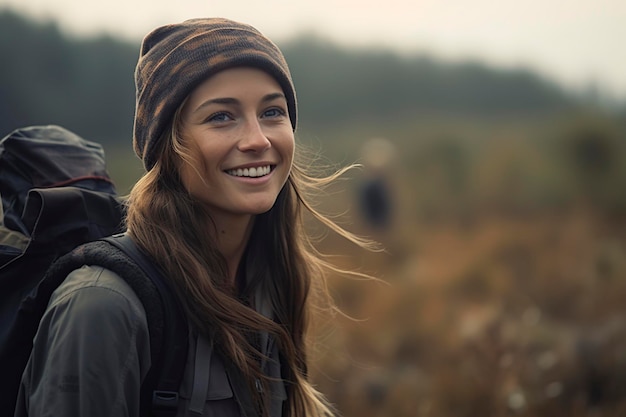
(505, 317)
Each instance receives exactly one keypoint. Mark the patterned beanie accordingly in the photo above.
(175, 58)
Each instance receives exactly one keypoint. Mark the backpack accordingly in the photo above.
(60, 211)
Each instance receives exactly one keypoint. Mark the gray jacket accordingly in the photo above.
(92, 351)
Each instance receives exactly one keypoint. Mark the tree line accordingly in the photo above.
(87, 84)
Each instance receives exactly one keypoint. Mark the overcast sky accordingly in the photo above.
(574, 42)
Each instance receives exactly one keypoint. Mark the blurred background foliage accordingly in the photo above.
(499, 196)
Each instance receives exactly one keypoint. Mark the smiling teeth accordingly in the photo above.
(250, 172)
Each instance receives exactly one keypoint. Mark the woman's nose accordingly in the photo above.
(254, 138)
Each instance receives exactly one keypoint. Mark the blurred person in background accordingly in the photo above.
(375, 194)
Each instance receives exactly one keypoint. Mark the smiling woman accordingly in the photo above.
(218, 210)
(237, 126)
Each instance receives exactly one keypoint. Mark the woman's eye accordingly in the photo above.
(273, 112)
(219, 117)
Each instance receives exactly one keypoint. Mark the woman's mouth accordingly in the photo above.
(252, 172)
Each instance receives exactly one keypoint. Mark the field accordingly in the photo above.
(505, 279)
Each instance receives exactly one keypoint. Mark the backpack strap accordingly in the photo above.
(161, 386)
(159, 391)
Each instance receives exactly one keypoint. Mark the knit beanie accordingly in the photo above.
(175, 58)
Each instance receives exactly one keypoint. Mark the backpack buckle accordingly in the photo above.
(164, 400)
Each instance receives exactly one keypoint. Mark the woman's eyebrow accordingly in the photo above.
(221, 100)
(273, 96)
(234, 101)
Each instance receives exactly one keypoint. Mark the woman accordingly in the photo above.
(219, 211)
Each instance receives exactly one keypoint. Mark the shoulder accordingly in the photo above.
(93, 291)
(93, 337)
(94, 308)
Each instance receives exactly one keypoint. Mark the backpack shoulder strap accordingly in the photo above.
(160, 389)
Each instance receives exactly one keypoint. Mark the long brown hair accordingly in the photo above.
(165, 220)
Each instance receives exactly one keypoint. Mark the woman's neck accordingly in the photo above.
(232, 235)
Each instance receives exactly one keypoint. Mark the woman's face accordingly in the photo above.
(236, 124)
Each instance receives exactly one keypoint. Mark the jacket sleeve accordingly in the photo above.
(91, 351)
